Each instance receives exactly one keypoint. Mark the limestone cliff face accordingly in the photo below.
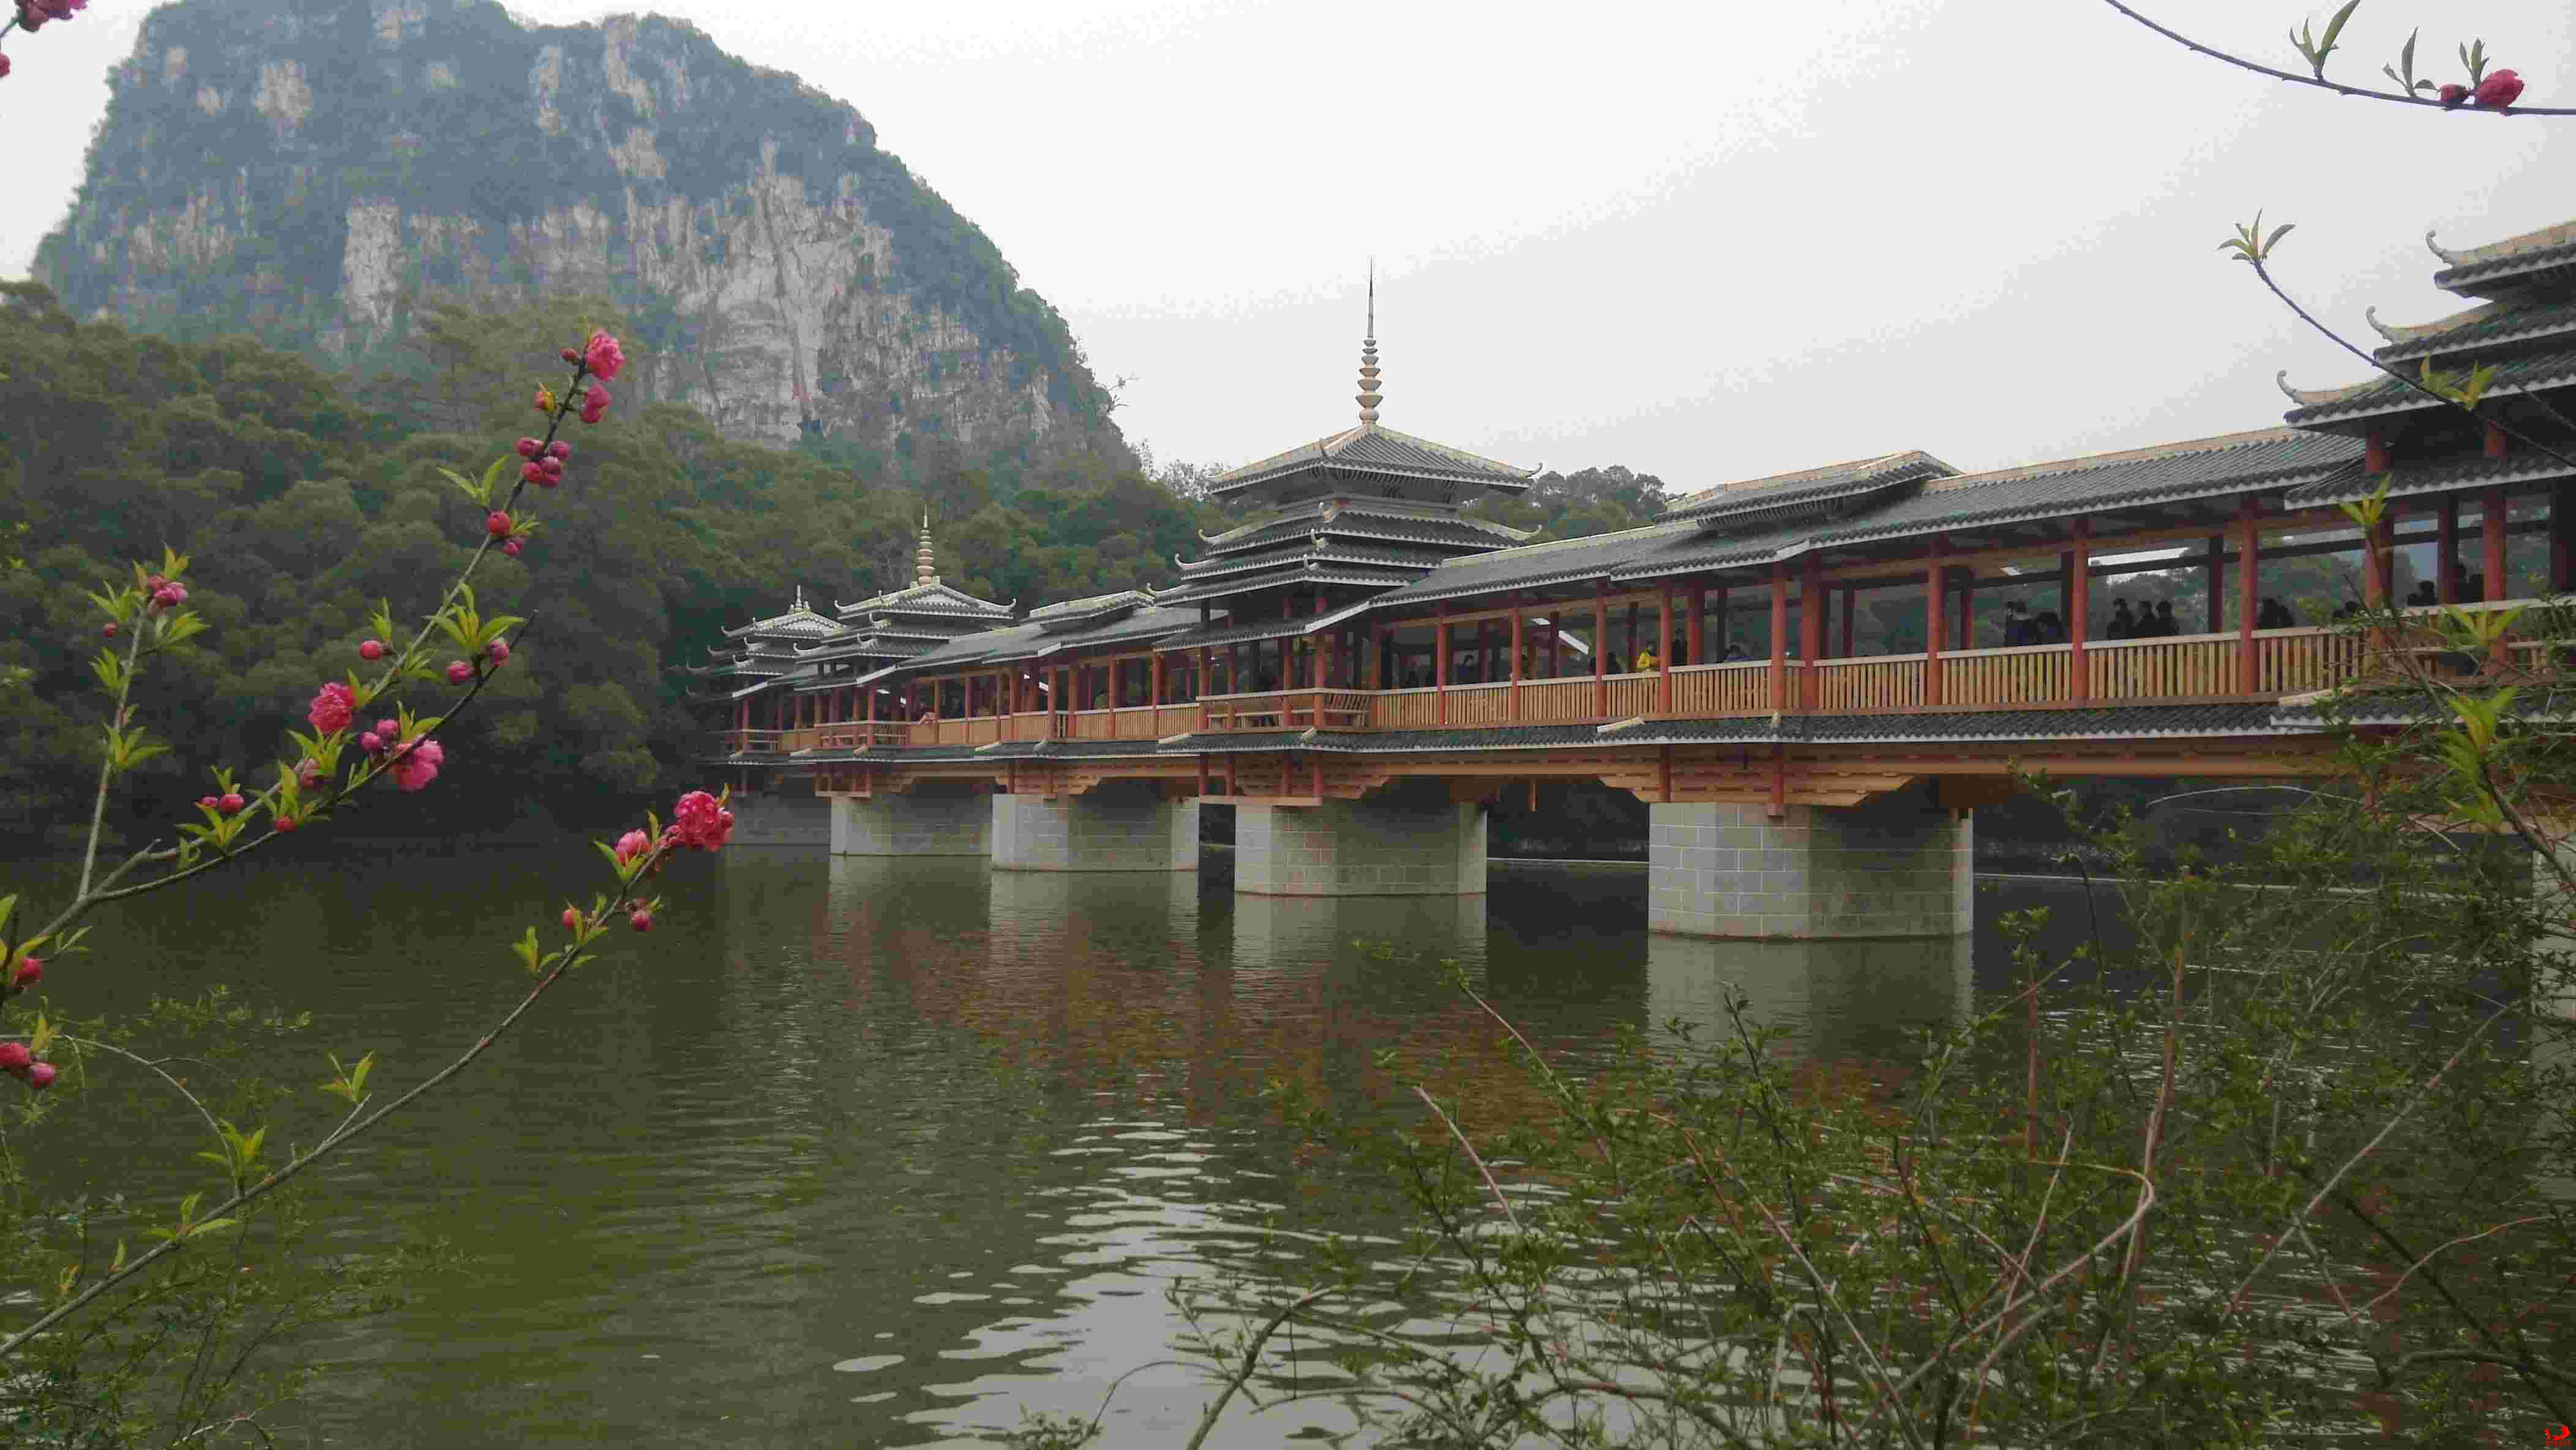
(313, 170)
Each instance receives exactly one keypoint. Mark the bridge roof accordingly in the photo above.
(1812, 486)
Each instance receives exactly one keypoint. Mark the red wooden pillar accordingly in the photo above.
(2496, 444)
(2491, 522)
(1933, 623)
(2249, 567)
(1520, 613)
(1698, 623)
(1440, 666)
(2079, 608)
(2446, 553)
(2216, 591)
(2491, 519)
(1811, 632)
(1600, 646)
(1664, 654)
(1779, 635)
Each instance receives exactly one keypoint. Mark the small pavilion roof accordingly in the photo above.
(799, 622)
(1390, 520)
(2383, 395)
(927, 596)
(2486, 325)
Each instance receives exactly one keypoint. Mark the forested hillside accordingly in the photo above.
(304, 501)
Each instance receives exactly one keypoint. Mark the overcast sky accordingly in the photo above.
(1706, 241)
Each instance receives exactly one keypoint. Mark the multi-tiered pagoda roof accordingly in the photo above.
(899, 624)
(764, 651)
(1353, 514)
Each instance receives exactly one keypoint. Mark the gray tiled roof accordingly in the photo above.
(1304, 571)
(1354, 523)
(1255, 630)
(2451, 476)
(800, 622)
(1533, 565)
(2391, 395)
(2493, 323)
(1811, 486)
(2513, 259)
(2119, 722)
(1370, 448)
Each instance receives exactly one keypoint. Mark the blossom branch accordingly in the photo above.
(2319, 81)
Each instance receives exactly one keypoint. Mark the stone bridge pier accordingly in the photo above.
(1119, 825)
(1409, 839)
(933, 819)
(1898, 866)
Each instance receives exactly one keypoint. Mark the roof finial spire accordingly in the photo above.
(1370, 391)
(925, 563)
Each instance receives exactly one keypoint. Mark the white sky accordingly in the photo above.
(1707, 241)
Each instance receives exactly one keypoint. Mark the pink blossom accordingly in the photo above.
(603, 356)
(40, 1075)
(2499, 90)
(371, 742)
(559, 450)
(4, 65)
(570, 354)
(286, 825)
(499, 650)
(332, 708)
(109, 629)
(31, 970)
(458, 672)
(528, 447)
(308, 773)
(698, 823)
(372, 649)
(15, 1059)
(595, 403)
(207, 802)
(418, 766)
(497, 524)
(632, 845)
(530, 473)
(642, 920)
(571, 919)
(2452, 95)
(510, 547)
(545, 400)
(552, 468)
(390, 729)
(231, 804)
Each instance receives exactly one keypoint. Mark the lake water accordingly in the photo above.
(881, 1152)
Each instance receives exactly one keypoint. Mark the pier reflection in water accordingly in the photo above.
(878, 1151)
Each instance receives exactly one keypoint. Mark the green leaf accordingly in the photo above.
(2334, 27)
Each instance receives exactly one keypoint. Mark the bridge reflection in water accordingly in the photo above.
(1839, 1000)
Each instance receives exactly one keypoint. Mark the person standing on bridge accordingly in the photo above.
(2123, 624)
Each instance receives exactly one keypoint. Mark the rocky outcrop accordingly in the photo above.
(315, 170)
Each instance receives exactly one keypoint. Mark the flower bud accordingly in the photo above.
(458, 672)
(2454, 94)
(40, 1075)
(530, 473)
(552, 468)
(372, 649)
(231, 804)
(570, 355)
(528, 447)
(559, 449)
(545, 400)
(499, 650)
(498, 525)
(2499, 90)
(510, 547)
(308, 773)
(208, 802)
(642, 920)
(286, 825)
(15, 1059)
(31, 970)
(371, 742)
(571, 919)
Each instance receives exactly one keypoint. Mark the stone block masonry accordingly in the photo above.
(1408, 842)
(781, 820)
(1897, 867)
(1119, 826)
(930, 821)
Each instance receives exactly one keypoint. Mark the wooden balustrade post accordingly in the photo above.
(2249, 567)
(2079, 608)
(1440, 667)
(1779, 635)
(1698, 637)
(1520, 612)
(1932, 623)
(1664, 653)
(1811, 632)
(1600, 646)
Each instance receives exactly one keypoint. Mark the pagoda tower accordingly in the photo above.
(764, 653)
(1338, 521)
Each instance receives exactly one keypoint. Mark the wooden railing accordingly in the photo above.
(1287, 710)
(2116, 672)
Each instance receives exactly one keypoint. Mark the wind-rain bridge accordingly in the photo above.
(1812, 679)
